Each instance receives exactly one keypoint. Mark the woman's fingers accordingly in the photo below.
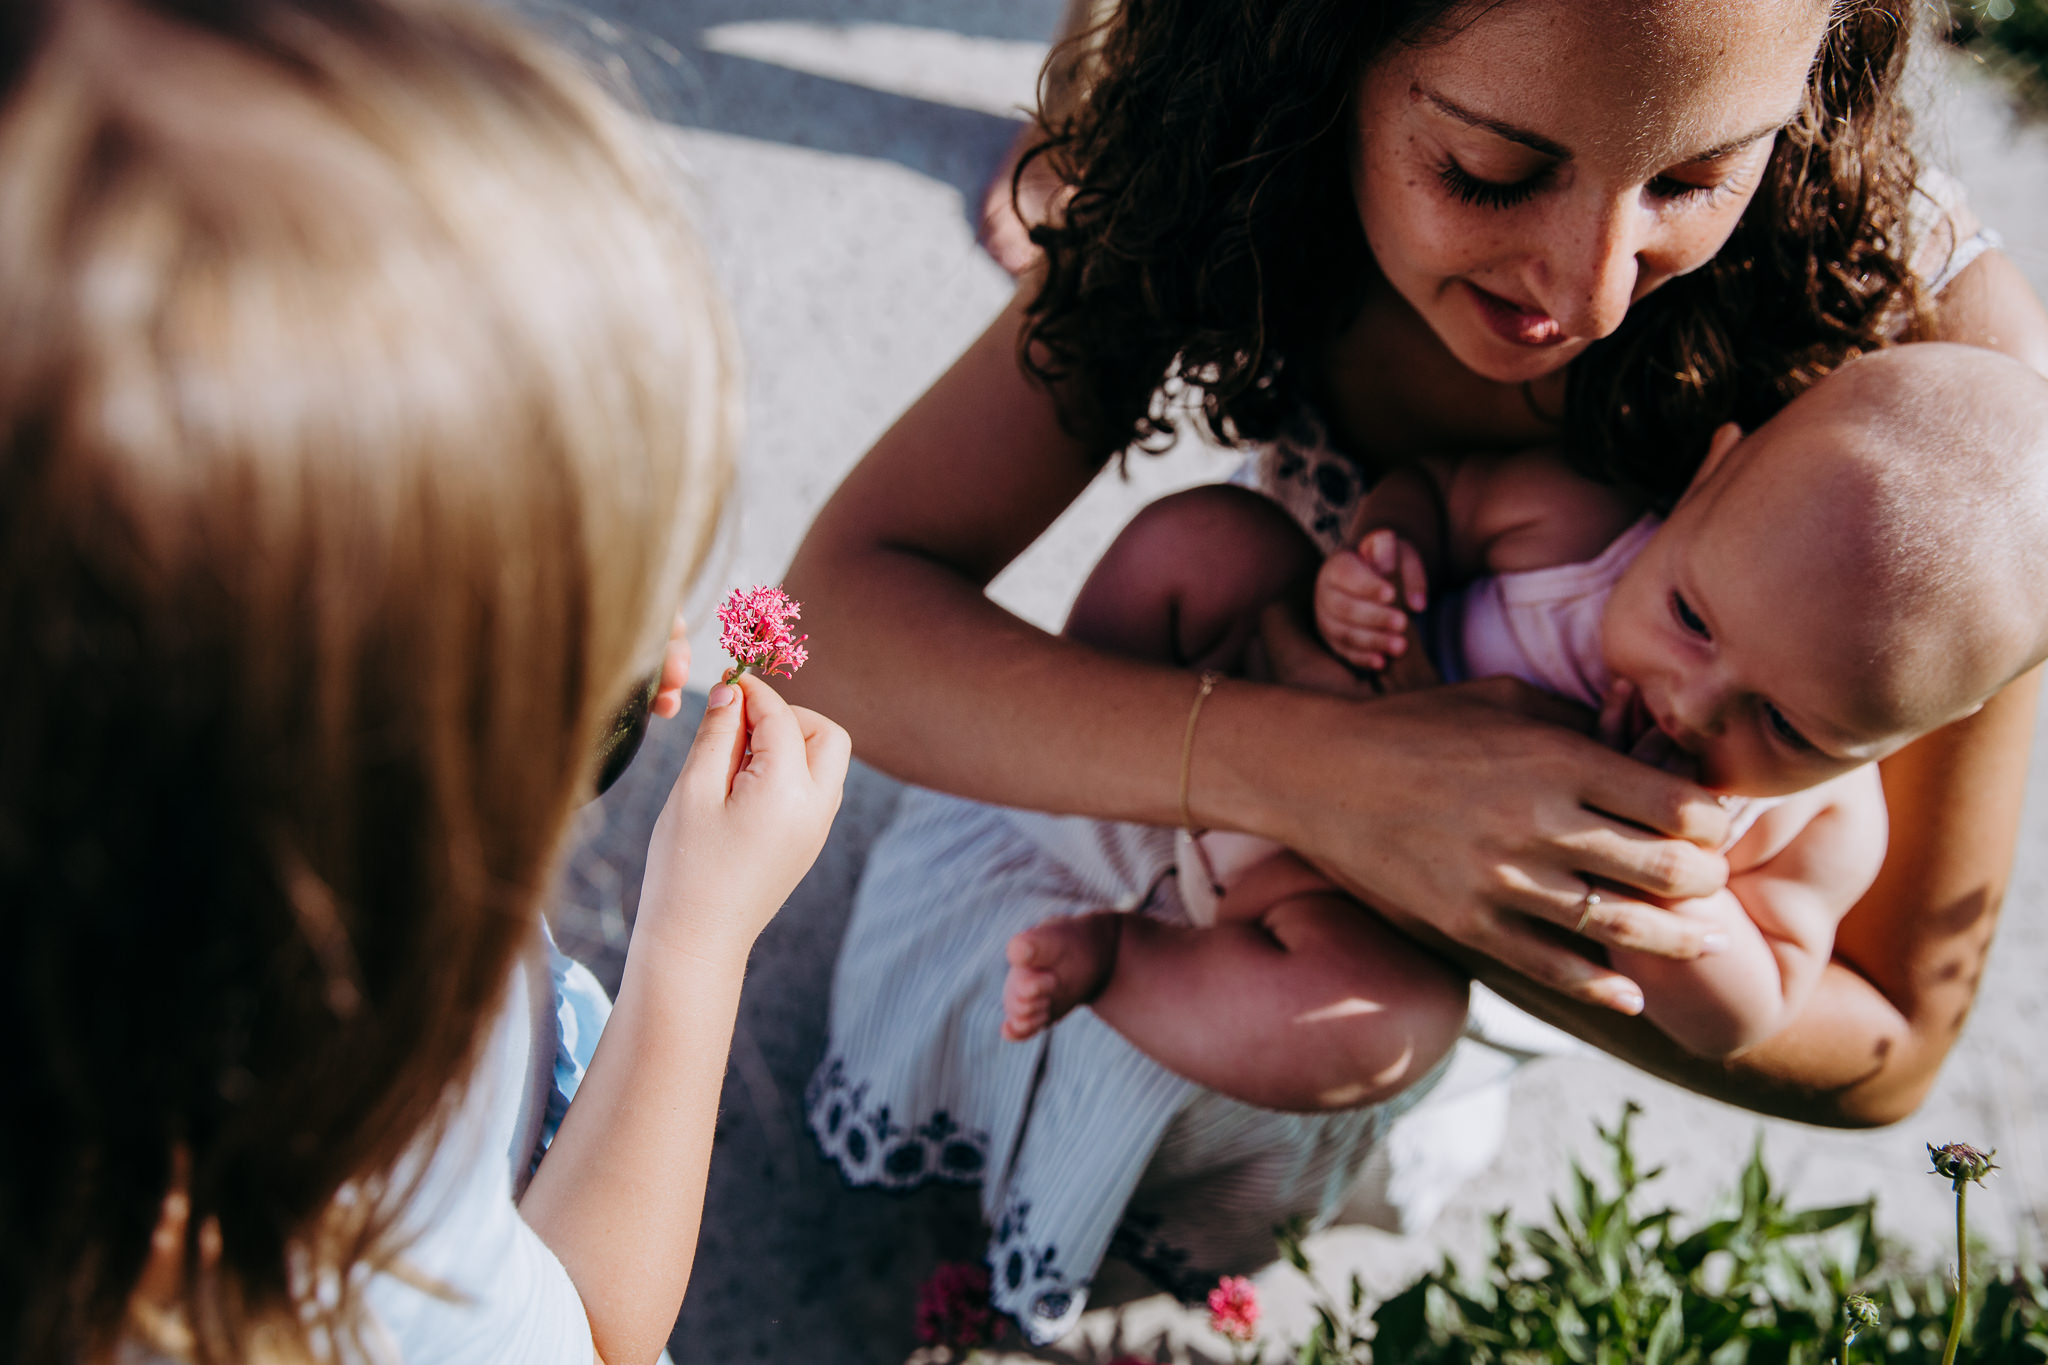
(1601, 913)
(1638, 794)
(1669, 869)
(1540, 955)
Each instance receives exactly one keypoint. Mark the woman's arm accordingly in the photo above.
(1459, 802)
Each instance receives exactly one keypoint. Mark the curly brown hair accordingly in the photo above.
(1211, 241)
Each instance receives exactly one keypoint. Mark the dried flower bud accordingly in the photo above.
(1959, 1161)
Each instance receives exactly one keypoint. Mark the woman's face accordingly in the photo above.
(1525, 179)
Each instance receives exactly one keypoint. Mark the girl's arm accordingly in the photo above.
(1472, 804)
(1791, 879)
(620, 1193)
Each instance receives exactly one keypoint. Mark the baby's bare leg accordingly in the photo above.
(1299, 999)
(1184, 583)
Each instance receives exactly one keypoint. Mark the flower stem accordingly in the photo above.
(1955, 1322)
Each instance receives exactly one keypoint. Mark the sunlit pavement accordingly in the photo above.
(834, 149)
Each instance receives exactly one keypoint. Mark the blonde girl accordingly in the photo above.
(364, 411)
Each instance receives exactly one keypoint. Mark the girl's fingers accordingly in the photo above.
(719, 745)
(675, 670)
(774, 739)
(826, 744)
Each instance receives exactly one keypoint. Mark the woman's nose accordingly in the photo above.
(1593, 263)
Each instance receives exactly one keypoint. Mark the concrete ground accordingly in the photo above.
(836, 147)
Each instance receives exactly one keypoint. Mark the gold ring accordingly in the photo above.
(1588, 903)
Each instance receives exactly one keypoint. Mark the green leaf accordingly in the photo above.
(1666, 1335)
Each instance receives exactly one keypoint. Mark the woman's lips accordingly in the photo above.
(1514, 323)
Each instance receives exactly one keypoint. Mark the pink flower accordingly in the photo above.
(756, 633)
(953, 1308)
(1234, 1308)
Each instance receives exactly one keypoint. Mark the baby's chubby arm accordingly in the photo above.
(1445, 521)
(1792, 878)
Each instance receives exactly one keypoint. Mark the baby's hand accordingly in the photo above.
(1360, 595)
(744, 823)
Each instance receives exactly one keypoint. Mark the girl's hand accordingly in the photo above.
(1489, 813)
(744, 822)
(675, 670)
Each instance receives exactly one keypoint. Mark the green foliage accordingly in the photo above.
(2013, 33)
(1608, 1284)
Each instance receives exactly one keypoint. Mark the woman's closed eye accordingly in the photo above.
(1491, 194)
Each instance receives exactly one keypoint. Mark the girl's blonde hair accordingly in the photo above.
(364, 410)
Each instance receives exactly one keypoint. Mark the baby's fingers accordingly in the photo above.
(1414, 579)
(1352, 575)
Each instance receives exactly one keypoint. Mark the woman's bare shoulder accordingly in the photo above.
(1991, 304)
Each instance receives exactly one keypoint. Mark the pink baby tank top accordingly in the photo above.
(1542, 625)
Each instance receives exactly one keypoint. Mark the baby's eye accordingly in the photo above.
(1785, 730)
(1689, 618)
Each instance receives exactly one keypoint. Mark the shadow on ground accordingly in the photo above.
(684, 82)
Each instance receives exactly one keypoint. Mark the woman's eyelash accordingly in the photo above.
(1680, 191)
(1484, 193)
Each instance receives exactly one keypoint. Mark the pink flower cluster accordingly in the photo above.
(755, 632)
(953, 1308)
(1234, 1308)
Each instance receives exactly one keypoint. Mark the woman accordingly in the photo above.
(363, 412)
(1381, 231)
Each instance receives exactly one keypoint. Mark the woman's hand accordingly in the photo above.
(745, 820)
(1502, 819)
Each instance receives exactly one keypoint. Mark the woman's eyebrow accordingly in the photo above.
(1540, 143)
(1736, 144)
(1533, 141)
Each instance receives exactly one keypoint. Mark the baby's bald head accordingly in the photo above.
(1904, 501)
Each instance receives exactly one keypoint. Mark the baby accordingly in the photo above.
(1860, 570)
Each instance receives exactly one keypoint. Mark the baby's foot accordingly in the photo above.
(1055, 966)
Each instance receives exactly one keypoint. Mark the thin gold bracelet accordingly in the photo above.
(1187, 745)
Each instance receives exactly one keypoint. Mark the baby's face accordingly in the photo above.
(1751, 637)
